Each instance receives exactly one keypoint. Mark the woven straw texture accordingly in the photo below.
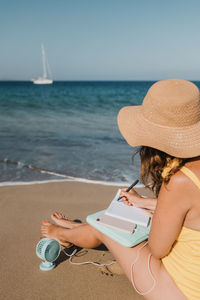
(168, 119)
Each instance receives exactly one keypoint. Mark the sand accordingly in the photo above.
(22, 210)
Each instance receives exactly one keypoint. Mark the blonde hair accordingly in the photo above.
(157, 167)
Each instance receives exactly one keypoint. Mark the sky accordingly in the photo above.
(100, 39)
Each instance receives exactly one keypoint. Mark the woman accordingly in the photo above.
(167, 126)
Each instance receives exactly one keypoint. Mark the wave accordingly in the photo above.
(65, 178)
(75, 179)
(42, 171)
(84, 180)
(70, 179)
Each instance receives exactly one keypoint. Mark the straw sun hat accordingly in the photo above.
(168, 119)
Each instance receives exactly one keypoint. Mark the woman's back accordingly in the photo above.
(183, 261)
(191, 171)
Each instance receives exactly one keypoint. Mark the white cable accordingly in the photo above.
(149, 269)
(132, 267)
(86, 262)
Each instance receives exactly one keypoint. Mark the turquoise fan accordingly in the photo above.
(48, 250)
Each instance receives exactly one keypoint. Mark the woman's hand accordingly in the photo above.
(133, 198)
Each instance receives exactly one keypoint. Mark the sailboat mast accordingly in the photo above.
(46, 69)
(44, 62)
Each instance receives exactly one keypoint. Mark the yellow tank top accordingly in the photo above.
(183, 262)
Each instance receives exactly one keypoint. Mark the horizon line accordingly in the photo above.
(90, 80)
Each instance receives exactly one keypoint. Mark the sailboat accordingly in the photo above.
(46, 71)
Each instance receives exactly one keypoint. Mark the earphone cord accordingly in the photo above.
(85, 262)
(149, 269)
(132, 267)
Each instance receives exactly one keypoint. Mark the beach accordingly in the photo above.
(61, 150)
(23, 208)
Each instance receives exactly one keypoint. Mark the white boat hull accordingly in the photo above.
(46, 71)
(42, 81)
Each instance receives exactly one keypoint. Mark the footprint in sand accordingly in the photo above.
(111, 270)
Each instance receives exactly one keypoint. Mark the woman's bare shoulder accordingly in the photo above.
(183, 181)
(177, 191)
(177, 181)
(180, 188)
(194, 166)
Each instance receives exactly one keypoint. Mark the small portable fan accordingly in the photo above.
(48, 250)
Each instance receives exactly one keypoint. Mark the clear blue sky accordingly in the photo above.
(105, 39)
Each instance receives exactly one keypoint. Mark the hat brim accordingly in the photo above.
(183, 142)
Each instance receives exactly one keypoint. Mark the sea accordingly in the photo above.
(66, 131)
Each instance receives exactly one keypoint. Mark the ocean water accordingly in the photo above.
(67, 130)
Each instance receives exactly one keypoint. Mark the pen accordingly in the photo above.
(129, 188)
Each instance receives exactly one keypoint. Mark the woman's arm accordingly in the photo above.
(133, 198)
(172, 207)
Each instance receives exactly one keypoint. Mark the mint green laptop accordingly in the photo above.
(140, 234)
